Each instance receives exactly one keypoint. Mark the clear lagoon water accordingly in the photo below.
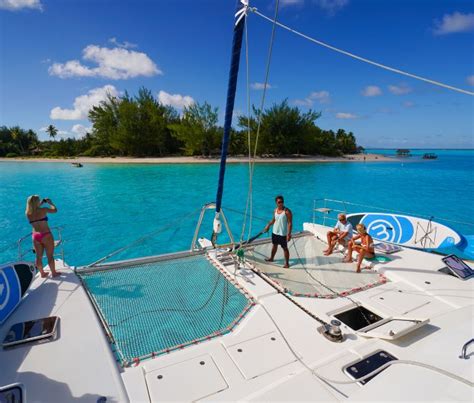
(103, 207)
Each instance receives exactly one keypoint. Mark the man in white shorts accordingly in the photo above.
(341, 234)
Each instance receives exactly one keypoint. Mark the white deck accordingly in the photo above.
(78, 365)
(268, 357)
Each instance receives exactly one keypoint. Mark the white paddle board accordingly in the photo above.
(406, 230)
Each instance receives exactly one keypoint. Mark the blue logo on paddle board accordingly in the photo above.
(388, 228)
(9, 292)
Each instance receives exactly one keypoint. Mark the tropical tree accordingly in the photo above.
(136, 126)
(17, 136)
(198, 130)
(346, 142)
(284, 129)
(52, 131)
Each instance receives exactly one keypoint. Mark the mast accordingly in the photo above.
(240, 14)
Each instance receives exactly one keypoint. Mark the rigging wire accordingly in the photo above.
(145, 237)
(248, 203)
(360, 58)
(259, 116)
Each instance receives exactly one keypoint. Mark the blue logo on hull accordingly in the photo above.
(388, 228)
(10, 294)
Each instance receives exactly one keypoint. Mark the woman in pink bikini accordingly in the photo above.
(42, 236)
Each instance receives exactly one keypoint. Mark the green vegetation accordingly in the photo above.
(140, 126)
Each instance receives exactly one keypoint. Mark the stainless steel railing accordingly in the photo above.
(25, 246)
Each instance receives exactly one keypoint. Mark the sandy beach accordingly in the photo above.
(201, 160)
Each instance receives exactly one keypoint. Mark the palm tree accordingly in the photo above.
(52, 131)
(17, 135)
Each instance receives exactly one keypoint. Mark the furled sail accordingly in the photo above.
(240, 15)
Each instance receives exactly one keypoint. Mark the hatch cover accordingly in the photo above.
(392, 328)
(260, 355)
(189, 380)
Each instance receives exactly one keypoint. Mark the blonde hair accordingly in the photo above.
(361, 228)
(32, 204)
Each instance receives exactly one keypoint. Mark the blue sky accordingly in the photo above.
(61, 57)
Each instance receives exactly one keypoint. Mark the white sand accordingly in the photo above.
(200, 160)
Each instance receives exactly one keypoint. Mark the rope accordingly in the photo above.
(144, 238)
(327, 287)
(370, 374)
(362, 59)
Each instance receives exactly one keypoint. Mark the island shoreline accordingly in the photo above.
(202, 160)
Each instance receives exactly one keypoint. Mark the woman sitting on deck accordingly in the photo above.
(42, 236)
(364, 249)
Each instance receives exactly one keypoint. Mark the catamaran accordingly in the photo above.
(220, 323)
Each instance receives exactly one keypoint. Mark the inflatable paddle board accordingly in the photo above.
(15, 279)
(408, 231)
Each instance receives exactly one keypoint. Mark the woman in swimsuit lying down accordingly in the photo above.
(365, 248)
(42, 236)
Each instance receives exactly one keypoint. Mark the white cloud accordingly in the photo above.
(470, 80)
(83, 104)
(332, 6)
(117, 63)
(260, 86)
(408, 104)
(176, 100)
(77, 131)
(284, 3)
(80, 130)
(345, 115)
(456, 22)
(399, 89)
(14, 5)
(371, 91)
(304, 102)
(126, 45)
(323, 97)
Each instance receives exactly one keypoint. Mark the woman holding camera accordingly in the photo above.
(42, 236)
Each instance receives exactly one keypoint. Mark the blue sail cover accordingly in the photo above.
(231, 87)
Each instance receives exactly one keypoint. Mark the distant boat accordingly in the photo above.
(76, 164)
(430, 156)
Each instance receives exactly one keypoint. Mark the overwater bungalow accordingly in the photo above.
(430, 156)
(403, 152)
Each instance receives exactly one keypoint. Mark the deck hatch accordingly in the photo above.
(189, 380)
(260, 355)
(359, 369)
(358, 317)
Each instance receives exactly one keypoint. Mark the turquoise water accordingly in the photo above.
(105, 207)
(157, 306)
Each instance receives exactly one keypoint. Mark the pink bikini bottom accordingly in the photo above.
(38, 236)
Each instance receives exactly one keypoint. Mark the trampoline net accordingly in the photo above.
(311, 274)
(154, 308)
